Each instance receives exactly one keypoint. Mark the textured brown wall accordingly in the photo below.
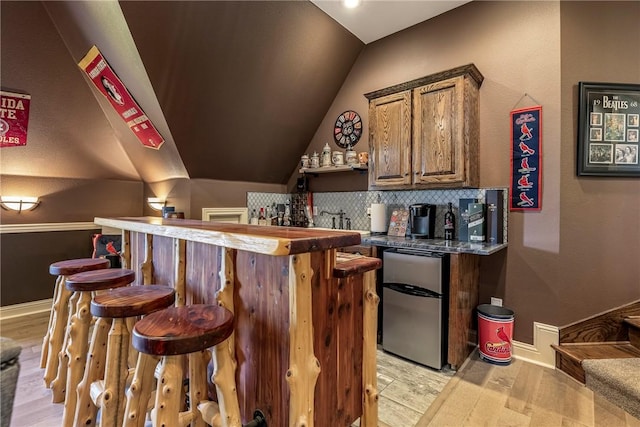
(25, 260)
(599, 216)
(72, 200)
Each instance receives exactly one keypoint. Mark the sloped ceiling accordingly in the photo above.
(237, 88)
(68, 134)
(243, 85)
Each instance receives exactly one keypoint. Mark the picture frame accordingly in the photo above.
(608, 129)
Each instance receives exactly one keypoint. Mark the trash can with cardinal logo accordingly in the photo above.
(495, 332)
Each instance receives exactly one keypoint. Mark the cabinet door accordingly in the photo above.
(390, 140)
(438, 133)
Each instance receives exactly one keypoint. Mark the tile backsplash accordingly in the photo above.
(356, 203)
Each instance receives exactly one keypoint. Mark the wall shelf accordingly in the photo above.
(331, 169)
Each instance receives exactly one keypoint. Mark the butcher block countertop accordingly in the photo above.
(254, 238)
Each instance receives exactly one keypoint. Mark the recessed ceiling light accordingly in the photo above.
(351, 4)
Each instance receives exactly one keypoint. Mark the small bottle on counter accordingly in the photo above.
(274, 214)
(449, 224)
(286, 220)
(262, 220)
(254, 218)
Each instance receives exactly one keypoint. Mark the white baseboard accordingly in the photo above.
(24, 309)
(540, 352)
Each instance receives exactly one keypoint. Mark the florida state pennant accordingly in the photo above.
(14, 118)
(526, 159)
(108, 83)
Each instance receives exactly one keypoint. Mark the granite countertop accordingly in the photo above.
(437, 245)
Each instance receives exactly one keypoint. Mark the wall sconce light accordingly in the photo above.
(156, 203)
(18, 203)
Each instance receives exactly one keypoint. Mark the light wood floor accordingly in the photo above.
(479, 394)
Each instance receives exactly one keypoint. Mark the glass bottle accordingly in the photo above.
(262, 220)
(449, 224)
(254, 217)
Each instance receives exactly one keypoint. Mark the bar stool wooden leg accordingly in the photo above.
(116, 372)
(53, 341)
(59, 384)
(167, 409)
(77, 354)
(45, 341)
(197, 385)
(86, 410)
(133, 353)
(140, 391)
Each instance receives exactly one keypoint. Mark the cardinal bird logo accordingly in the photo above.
(524, 166)
(111, 249)
(525, 132)
(525, 200)
(502, 335)
(526, 149)
(524, 183)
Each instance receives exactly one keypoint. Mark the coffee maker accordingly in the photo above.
(422, 219)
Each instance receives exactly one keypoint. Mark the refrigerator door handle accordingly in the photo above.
(415, 291)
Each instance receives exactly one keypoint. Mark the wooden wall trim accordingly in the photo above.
(50, 226)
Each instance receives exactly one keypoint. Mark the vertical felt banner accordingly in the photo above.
(526, 159)
(14, 118)
(108, 83)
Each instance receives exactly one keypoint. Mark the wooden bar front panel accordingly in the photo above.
(261, 299)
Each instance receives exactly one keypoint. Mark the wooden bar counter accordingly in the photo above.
(305, 316)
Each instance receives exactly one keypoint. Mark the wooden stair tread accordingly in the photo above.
(603, 350)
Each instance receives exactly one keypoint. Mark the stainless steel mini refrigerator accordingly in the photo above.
(415, 305)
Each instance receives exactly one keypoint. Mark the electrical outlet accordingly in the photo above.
(315, 211)
(496, 301)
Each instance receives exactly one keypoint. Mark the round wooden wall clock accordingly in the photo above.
(348, 129)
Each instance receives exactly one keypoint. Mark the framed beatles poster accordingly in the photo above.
(608, 129)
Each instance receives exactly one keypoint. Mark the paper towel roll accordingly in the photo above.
(378, 217)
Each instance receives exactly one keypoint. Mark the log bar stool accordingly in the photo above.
(85, 284)
(169, 333)
(53, 356)
(113, 307)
